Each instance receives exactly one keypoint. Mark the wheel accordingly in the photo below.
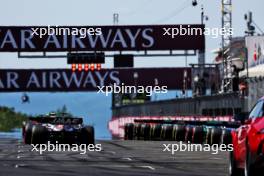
(156, 132)
(208, 136)
(249, 167)
(216, 135)
(174, 132)
(226, 137)
(141, 132)
(39, 135)
(126, 131)
(27, 133)
(129, 131)
(151, 135)
(137, 130)
(162, 133)
(166, 132)
(87, 135)
(198, 134)
(189, 134)
(179, 132)
(233, 169)
(146, 132)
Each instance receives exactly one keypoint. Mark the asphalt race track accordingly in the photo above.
(117, 158)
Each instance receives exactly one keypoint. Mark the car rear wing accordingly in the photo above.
(57, 120)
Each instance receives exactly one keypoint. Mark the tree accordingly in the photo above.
(11, 119)
(63, 111)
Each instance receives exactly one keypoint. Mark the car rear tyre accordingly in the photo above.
(27, 133)
(249, 169)
(87, 135)
(233, 169)
(39, 135)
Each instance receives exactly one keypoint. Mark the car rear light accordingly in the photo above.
(86, 67)
(98, 66)
(80, 67)
(73, 67)
(92, 67)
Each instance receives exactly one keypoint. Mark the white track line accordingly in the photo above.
(129, 159)
(148, 167)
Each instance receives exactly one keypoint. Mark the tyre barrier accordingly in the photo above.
(216, 136)
(129, 128)
(126, 129)
(178, 132)
(144, 132)
(147, 132)
(155, 133)
(208, 136)
(166, 132)
(193, 134)
(137, 131)
(198, 135)
(226, 137)
(189, 134)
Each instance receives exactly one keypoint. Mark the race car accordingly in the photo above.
(62, 129)
(247, 158)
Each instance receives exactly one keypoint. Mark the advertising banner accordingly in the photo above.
(255, 48)
(55, 80)
(101, 38)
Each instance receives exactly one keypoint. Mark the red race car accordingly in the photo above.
(247, 158)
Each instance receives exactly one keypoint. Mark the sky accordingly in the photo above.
(100, 12)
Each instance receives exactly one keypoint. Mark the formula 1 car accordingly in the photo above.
(66, 130)
(247, 157)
